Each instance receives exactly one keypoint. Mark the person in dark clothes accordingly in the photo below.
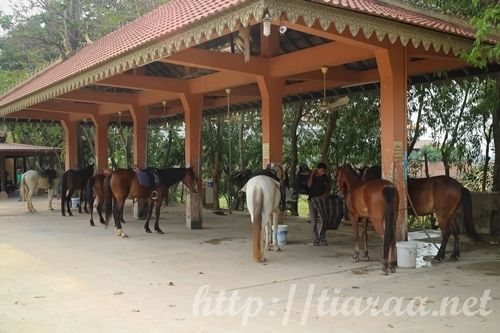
(319, 185)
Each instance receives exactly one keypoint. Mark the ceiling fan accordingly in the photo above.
(329, 106)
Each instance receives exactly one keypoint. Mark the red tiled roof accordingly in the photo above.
(159, 23)
(170, 19)
(382, 9)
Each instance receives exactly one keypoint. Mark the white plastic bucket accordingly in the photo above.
(282, 234)
(407, 254)
(75, 202)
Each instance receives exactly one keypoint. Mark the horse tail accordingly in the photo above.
(389, 193)
(23, 188)
(258, 199)
(90, 192)
(64, 189)
(108, 198)
(466, 202)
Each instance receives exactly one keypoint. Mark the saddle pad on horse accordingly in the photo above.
(143, 178)
(148, 177)
(329, 211)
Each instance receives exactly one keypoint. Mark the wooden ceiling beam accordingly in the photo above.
(99, 97)
(219, 61)
(143, 82)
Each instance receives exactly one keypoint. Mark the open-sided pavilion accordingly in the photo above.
(187, 53)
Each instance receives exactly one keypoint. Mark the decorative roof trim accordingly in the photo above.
(356, 22)
(243, 14)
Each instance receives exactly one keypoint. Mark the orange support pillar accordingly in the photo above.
(101, 141)
(140, 122)
(271, 91)
(392, 67)
(70, 143)
(193, 109)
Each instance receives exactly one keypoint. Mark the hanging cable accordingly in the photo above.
(228, 92)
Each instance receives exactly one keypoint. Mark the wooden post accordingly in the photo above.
(70, 143)
(392, 67)
(140, 122)
(101, 142)
(193, 108)
(271, 90)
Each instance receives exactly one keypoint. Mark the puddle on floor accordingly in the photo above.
(216, 241)
(488, 267)
(425, 253)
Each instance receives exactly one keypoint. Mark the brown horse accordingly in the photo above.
(443, 196)
(123, 183)
(95, 190)
(74, 180)
(377, 201)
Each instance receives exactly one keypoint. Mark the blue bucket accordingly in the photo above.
(282, 234)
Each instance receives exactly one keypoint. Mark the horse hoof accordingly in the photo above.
(267, 248)
(355, 258)
(366, 258)
(453, 258)
(124, 235)
(263, 261)
(439, 258)
(159, 231)
(92, 224)
(51, 208)
(385, 271)
(276, 249)
(70, 214)
(148, 231)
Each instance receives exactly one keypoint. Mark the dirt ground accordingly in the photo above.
(61, 275)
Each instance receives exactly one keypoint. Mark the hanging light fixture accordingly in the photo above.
(266, 24)
(164, 103)
(324, 103)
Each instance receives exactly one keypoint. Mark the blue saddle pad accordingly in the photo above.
(143, 178)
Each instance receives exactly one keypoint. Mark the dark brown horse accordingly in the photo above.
(123, 183)
(443, 196)
(75, 180)
(376, 200)
(95, 190)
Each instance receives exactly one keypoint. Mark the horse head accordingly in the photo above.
(190, 181)
(345, 177)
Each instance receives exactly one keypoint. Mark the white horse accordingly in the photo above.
(31, 181)
(263, 199)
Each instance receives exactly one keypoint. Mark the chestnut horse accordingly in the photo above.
(443, 196)
(75, 180)
(123, 183)
(95, 190)
(376, 200)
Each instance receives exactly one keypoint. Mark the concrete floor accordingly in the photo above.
(61, 275)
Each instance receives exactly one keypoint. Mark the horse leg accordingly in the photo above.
(118, 217)
(150, 212)
(51, 196)
(456, 243)
(275, 217)
(445, 234)
(157, 220)
(85, 200)
(100, 203)
(392, 259)
(365, 240)
(92, 211)
(68, 199)
(81, 203)
(268, 233)
(355, 235)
